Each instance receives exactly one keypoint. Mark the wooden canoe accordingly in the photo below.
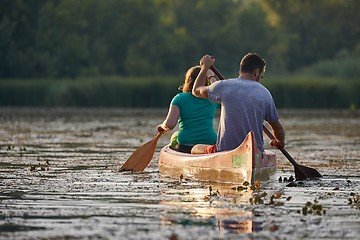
(244, 163)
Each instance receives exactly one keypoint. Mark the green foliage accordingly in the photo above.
(316, 30)
(343, 66)
(288, 92)
(77, 42)
(110, 92)
(313, 92)
(68, 39)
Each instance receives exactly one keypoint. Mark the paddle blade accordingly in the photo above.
(303, 172)
(139, 160)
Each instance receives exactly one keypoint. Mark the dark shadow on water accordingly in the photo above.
(8, 227)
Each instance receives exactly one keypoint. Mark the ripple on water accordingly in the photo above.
(59, 181)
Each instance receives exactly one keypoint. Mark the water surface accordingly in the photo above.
(59, 180)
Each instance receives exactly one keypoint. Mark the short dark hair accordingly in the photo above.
(252, 61)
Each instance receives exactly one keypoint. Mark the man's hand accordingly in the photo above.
(199, 89)
(279, 134)
(207, 61)
(276, 144)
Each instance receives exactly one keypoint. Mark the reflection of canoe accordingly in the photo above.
(244, 163)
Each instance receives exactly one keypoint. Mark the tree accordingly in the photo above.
(317, 30)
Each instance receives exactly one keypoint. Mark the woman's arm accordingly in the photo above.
(171, 119)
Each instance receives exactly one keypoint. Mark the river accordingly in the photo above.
(59, 180)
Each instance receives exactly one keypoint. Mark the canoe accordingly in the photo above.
(244, 163)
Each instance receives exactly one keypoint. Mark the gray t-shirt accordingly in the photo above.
(245, 104)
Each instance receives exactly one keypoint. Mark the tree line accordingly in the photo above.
(70, 39)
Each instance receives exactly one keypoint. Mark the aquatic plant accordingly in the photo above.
(312, 208)
(285, 179)
(354, 200)
(214, 193)
(260, 197)
(274, 200)
(40, 167)
(246, 185)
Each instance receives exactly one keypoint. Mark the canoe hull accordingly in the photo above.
(245, 163)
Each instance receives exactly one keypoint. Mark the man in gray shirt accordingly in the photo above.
(245, 105)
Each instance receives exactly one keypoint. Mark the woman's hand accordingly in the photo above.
(160, 129)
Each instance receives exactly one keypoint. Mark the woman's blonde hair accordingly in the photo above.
(190, 77)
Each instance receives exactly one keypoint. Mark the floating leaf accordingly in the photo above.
(304, 211)
(278, 195)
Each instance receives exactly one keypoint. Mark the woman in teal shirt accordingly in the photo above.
(195, 115)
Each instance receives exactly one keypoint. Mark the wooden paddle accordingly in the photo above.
(139, 160)
(301, 172)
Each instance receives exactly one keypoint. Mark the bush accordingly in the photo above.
(288, 92)
(311, 92)
(346, 67)
(105, 92)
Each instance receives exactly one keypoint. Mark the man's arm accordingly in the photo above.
(279, 134)
(199, 89)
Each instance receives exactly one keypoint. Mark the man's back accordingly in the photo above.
(245, 104)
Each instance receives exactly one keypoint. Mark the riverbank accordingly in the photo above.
(152, 92)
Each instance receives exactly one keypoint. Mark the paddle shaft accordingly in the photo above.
(301, 172)
(214, 69)
(287, 155)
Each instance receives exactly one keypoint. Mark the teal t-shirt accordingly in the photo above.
(196, 121)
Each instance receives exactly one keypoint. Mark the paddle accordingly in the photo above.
(139, 160)
(301, 172)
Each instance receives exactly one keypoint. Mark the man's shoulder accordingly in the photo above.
(228, 82)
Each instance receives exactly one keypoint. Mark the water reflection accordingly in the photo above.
(218, 206)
